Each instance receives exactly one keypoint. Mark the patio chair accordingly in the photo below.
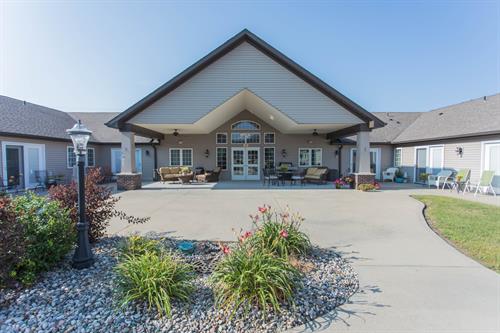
(442, 177)
(461, 179)
(270, 176)
(389, 174)
(298, 176)
(484, 183)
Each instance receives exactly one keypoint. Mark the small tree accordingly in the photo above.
(99, 203)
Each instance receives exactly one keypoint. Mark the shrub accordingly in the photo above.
(279, 233)
(367, 187)
(48, 231)
(155, 278)
(137, 245)
(12, 242)
(247, 277)
(99, 204)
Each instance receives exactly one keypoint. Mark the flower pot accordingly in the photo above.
(399, 180)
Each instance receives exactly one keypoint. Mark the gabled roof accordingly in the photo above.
(396, 123)
(27, 119)
(280, 58)
(24, 119)
(480, 116)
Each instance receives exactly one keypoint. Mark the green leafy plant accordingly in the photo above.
(423, 176)
(99, 203)
(12, 242)
(138, 245)
(252, 276)
(279, 233)
(155, 278)
(185, 170)
(367, 187)
(49, 235)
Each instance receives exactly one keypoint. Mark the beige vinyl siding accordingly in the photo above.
(471, 158)
(245, 67)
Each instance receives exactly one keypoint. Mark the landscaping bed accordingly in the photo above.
(68, 300)
(472, 227)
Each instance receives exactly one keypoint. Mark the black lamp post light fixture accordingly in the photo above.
(82, 257)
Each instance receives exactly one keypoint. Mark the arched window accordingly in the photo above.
(246, 125)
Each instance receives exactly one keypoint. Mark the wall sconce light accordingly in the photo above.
(315, 133)
(283, 153)
(180, 142)
(147, 152)
(459, 151)
(207, 153)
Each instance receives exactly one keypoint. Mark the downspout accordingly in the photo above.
(340, 159)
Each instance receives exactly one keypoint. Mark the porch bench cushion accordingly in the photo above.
(168, 174)
(316, 174)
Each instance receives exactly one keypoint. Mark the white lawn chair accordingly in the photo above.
(484, 184)
(389, 174)
(437, 180)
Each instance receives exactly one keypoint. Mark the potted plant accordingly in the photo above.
(339, 183)
(399, 177)
(423, 177)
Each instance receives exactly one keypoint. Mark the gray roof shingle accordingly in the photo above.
(470, 118)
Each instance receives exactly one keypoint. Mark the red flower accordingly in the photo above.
(246, 235)
(225, 249)
(263, 209)
(283, 233)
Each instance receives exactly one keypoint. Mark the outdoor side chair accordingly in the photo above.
(270, 176)
(442, 177)
(485, 183)
(460, 180)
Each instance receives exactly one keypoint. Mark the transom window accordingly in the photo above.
(221, 138)
(269, 138)
(310, 157)
(181, 157)
(242, 138)
(246, 125)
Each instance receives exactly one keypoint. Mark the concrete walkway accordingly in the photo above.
(411, 280)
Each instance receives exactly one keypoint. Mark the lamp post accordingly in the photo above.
(82, 257)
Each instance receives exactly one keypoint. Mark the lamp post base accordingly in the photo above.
(81, 264)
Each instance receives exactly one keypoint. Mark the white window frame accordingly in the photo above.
(120, 150)
(245, 120)
(180, 157)
(217, 136)
(428, 158)
(400, 149)
(41, 163)
(216, 157)
(484, 144)
(86, 157)
(243, 143)
(310, 157)
(274, 138)
(274, 155)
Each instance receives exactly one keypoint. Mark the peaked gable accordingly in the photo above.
(245, 36)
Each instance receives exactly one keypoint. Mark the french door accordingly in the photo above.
(245, 163)
(24, 163)
(374, 161)
(428, 160)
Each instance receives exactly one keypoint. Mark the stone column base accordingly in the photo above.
(363, 178)
(128, 181)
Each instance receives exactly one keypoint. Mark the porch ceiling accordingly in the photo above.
(246, 100)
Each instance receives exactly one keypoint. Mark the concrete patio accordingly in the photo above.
(410, 279)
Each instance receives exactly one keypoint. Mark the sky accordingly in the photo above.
(387, 56)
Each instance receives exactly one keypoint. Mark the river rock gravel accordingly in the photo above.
(68, 300)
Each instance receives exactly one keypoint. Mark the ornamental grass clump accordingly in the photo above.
(249, 276)
(155, 278)
(138, 245)
(279, 233)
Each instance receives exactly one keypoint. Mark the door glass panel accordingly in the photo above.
(14, 165)
(238, 171)
(253, 157)
(373, 162)
(436, 159)
(238, 157)
(421, 162)
(33, 164)
(253, 170)
(116, 163)
(493, 157)
(138, 160)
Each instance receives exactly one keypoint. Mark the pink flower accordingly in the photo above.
(283, 233)
(246, 235)
(225, 249)
(263, 209)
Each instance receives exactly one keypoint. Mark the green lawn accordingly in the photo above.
(472, 227)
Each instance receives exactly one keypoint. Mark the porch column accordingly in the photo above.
(363, 152)
(363, 173)
(128, 179)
